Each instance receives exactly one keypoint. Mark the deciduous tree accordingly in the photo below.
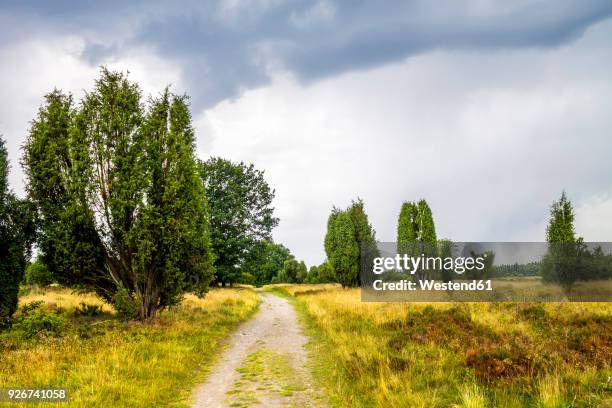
(241, 213)
(264, 261)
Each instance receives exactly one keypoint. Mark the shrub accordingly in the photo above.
(84, 309)
(33, 320)
(37, 273)
(125, 305)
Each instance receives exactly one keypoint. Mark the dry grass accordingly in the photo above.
(103, 361)
(457, 354)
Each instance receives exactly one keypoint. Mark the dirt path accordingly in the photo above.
(264, 365)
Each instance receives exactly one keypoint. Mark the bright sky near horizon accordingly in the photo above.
(487, 109)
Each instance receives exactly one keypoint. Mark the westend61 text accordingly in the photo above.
(432, 285)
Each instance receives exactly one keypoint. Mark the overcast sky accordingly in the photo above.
(487, 109)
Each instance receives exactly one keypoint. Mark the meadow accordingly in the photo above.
(63, 339)
(505, 354)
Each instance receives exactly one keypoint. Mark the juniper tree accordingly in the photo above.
(16, 234)
(342, 248)
(416, 232)
(425, 222)
(122, 208)
(407, 228)
(364, 236)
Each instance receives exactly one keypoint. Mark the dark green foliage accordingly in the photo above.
(561, 225)
(348, 233)
(569, 259)
(445, 248)
(293, 272)
(326, 273)
(363, 231)
(264, 261)
(528, 269)
(241, 213)
(84, 309)
(321, 274)
(119, 197)
(487, 271)
(313, 275)
(17, 229)
(560, 263)
(125, 304)
(37, 273)
(594, 264)
(342, 249)
(33, 320)
(427, 229)
(407, 229)
(415, 223)
(416, 233)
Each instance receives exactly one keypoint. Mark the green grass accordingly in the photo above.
(103, 361)
(456, 354)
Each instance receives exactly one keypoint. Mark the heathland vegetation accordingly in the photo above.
(63, 339)
(137, 241)
(504, 354)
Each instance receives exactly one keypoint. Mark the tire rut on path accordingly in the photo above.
(265, 364)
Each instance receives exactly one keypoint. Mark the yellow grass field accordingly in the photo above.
(457, 354)
(104, 361)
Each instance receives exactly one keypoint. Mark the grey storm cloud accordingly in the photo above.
(227, 46)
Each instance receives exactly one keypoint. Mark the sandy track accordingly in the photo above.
(264, 363)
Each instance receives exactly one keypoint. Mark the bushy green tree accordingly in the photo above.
(560, 263)
(407, 228)
(425, 222)
(264, 261)
(363, 231)
(350, 238)
(37, 273)
(342, 248)
(123, 210)
(313, 275)
(326, 273)
(415, 223)
(561, 224)
(293, 271)
(320, 274)
(241, 213)
(416, 232)
(17, 230)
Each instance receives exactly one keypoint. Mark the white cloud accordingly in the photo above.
(323, 12)
(490, 140)
(593, 219)
(36, 67)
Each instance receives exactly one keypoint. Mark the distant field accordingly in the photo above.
(457, 354)
(104, 361)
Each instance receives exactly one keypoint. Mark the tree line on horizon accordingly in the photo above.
(568, 259)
